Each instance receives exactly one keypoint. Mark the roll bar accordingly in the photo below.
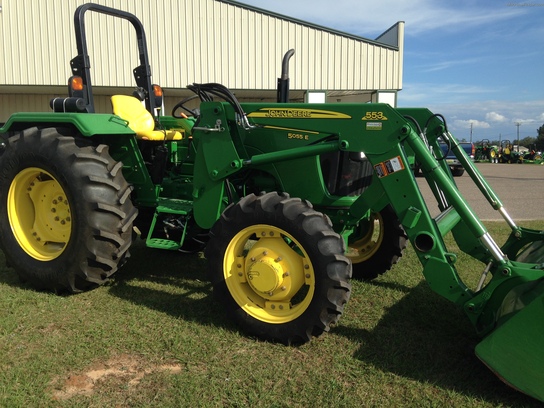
(81, 64)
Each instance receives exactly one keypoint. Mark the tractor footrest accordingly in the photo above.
(174, 206)
(163, 244)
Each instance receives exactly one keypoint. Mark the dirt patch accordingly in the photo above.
(125, 370)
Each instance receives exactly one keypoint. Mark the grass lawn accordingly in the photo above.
(154, 337)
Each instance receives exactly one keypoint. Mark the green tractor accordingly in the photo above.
(532, 155)
(288, 201)
(486, 152)
(507, 153)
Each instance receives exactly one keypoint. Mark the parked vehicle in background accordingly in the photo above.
(485, 151)
(531, 155)
(508, 153)
(457, 169)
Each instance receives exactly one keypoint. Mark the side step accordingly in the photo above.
(168, 206)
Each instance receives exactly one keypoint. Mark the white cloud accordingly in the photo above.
(524, 121)
(495, 117)
(476, 124)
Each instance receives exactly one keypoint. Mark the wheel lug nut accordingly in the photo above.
(55, 202)
(53, 210)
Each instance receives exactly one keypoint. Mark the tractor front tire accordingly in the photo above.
(377, 245)
(65, 210)
(278, 268)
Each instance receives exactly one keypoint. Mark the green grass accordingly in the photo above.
(154, 337)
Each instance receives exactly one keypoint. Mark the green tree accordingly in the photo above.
(540, 138)
(527, 141)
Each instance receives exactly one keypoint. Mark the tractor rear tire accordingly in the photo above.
(380, 246)
(278, 268)
(65, 210)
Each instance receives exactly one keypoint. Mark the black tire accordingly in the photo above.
(457, 172)
(293, 283)
(65, 210)
(377, 245)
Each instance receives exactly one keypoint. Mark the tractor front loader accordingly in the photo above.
(287, 201)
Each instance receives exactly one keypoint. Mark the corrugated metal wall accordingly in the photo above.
(189, 41)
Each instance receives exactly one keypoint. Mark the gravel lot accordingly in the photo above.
(520, 187)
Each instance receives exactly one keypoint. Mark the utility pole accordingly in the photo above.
(518, 124)
(471, 123)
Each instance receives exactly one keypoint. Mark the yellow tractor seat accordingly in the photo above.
(140, 120)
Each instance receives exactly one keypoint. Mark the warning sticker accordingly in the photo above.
(389, 167)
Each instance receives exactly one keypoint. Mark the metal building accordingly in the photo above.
(190, 41)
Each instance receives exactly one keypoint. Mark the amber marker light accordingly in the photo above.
(157, 90)
(76, 83)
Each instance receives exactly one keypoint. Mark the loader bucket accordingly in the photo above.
(514, 351)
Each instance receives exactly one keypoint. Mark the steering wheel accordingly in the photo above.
(180, 105)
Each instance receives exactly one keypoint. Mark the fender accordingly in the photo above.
(87, 125)
(123, 149)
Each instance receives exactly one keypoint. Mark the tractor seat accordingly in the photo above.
(140, 120)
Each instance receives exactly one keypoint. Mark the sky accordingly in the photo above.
(477, 62)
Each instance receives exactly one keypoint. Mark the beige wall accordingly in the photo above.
(189, 41)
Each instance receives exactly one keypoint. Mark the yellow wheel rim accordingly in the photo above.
(492, 154)
(364, 248)
(269, 274)
(39, 214)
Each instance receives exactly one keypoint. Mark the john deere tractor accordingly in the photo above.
(486, 152)
(283, 198)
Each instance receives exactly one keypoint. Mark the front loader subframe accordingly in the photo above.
(507, 306)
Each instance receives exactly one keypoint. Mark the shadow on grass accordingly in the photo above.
(8, 275)
(426, 338)
(171, 283)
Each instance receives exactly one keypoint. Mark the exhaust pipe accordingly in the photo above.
(283, 82)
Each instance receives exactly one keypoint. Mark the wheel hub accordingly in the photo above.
(39, 213)
(369, 242)
(272, 269)
(264, 276)
(268, 273)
